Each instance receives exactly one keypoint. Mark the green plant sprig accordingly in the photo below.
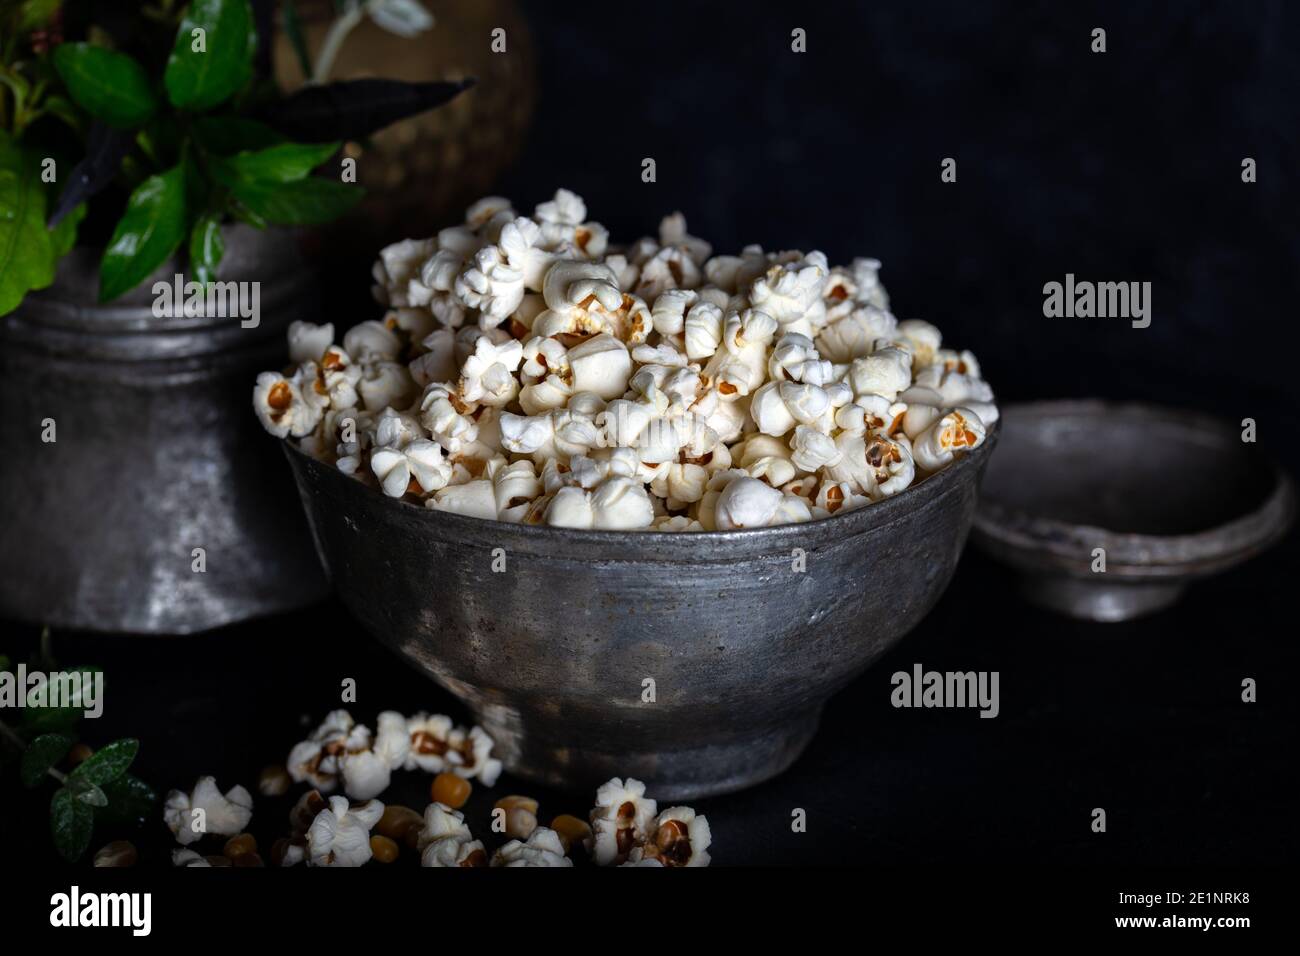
(97, 791)
(203, 140)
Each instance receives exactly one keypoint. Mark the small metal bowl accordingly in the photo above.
(1169, 495)
(555, 654)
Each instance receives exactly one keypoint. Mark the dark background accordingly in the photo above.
(1117, 166)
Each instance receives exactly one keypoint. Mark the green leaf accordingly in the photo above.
(42, 754)
(201, 79)
(64, 236)
(285, 163)
(39, 718)
(225, 135)
(28, 253)
(206, 248)
(106, 84)
(105, 764)
(5, 662)
(148, 232)
(89, 794)
(71, 823)
(130, 801)
(307, 202)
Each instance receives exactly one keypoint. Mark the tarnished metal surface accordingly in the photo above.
(552, 654)
(157, 453)
(1169, 495)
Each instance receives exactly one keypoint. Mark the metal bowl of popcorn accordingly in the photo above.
(698, 663)
(644, 509)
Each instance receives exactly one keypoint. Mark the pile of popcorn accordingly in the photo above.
(529, 371)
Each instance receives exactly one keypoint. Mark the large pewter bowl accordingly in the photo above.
(554, 654)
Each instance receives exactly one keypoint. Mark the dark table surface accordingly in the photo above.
(1144, 719)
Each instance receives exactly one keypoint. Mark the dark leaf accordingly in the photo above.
(293, 30)
(353, 109)
(264, 35)
(148, 232)
(105, 147)
(71, 823)
(108, 85)
(206, 248)
(42, 754)
(201, 79)
(130, 801)
(105, 764)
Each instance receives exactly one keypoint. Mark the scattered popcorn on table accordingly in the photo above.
(341, 750)
(542, 848)
(340, 834)
(530, 371)
(206, 806)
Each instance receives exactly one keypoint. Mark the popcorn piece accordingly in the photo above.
(398, 269)
(367, 773)
(542, 848)
(308, 342)
(924, 339)
(430, 739)
(681, 838)
(417, 466)
(470, 755)
(206, 810)
(749, 503)
(601, 365)
(372, 341)
(340, 835)
(441, 822)
(622, 819)
(316, 759)
(959, 430)
(787, 292)
(873, 465)
(885, 372)
(854, 335)
(473, 498)
(617, 504)
(280, 406)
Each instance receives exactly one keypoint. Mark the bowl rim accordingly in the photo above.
(697, 544)
(1033, 541)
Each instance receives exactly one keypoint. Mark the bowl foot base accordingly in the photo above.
(1098, 600)
(669, 775)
